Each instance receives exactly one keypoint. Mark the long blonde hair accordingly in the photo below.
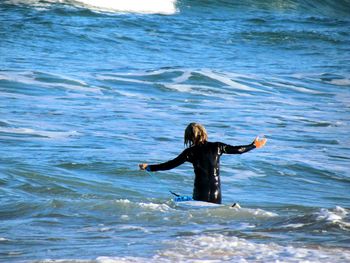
(195, 134)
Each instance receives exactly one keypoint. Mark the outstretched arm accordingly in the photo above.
(165, 166)
(243, 148)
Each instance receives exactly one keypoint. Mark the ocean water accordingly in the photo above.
(89, 89)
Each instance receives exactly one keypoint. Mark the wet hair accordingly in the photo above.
(195, 134)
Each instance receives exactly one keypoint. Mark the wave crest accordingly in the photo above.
(165, 7)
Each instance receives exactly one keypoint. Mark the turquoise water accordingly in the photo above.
(89, 91)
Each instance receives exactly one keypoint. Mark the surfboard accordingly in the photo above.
(188, 202)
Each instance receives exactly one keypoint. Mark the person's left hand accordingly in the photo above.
(259, 143)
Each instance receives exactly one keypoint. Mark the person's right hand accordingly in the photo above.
(143, 166)
(259, 142)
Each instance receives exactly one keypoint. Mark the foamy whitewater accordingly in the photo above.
(90, 89)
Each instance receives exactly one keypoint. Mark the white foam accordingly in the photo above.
(64, 82)
(292, 86)
(102, 228)
(332, 216)
(242, 212)
(104, 259)
(328, 216)
(166, 7)
(133, 228)
(155, 207)
(123, 79)
(180, 87)
(226, 80)
(123, 201)
(219, 248)
(184, 77)
(262, 213)
(341, 210)
(340, 82)
(145, 206)
(65, 261)
(41, 133)
(293, 225)
(337, 216)
(35, 3)
(215, 248)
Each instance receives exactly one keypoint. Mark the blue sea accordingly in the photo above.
(91, 88)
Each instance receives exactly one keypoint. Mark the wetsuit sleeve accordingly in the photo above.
(169, 164)
(229, 149)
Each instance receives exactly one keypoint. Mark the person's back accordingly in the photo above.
(206, 164)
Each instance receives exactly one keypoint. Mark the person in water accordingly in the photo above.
(205, 158)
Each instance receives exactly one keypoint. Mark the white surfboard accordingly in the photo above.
(188, 202)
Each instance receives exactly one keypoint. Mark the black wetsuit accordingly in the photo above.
(206, 163)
